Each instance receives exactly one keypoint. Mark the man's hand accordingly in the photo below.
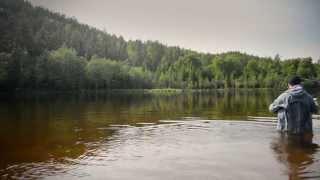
(316, 101)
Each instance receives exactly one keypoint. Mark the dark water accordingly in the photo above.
(144, 136)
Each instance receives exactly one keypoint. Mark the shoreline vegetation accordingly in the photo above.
(167, 91)
(140, 91)
(46, 51)
(23, 93)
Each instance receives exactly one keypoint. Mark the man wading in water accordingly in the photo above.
(295, 107)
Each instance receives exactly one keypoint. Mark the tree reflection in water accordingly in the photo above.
(297, 153)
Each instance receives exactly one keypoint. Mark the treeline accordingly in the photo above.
(40, 49)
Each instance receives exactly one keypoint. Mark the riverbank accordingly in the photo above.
(166, 91)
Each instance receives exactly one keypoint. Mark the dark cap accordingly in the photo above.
(294, 80)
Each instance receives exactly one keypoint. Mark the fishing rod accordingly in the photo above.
(274, 119)
(313, 80)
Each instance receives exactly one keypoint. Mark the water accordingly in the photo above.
(144, 136)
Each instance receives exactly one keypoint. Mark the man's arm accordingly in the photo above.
(279, 103)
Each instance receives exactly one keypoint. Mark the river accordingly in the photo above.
(194, 135)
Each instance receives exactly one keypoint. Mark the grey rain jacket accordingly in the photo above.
(294, 107)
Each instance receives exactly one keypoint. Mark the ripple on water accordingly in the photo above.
(188, 149)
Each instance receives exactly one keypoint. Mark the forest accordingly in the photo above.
(43, 50)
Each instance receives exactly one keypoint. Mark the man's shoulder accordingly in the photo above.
(283, 95)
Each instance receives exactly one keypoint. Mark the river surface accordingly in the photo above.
(205, 135)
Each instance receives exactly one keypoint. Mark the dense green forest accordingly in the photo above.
(42, 50)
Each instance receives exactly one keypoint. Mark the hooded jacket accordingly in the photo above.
(294, 108)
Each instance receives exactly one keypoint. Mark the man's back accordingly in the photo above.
(298, 113)
(294, 108)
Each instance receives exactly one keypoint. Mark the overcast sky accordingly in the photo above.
(260, 27)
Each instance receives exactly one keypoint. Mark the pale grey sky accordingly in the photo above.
(260, 27)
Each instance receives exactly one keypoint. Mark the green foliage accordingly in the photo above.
(306, 68)
(107, 74)
(65, 69)
(318, 70)
(135, 52)
(99, 72)
(139, 78)
(44, 50)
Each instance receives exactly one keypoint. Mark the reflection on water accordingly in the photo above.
(163, 136)
(298, 154)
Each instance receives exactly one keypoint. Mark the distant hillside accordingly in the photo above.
(40, 49)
